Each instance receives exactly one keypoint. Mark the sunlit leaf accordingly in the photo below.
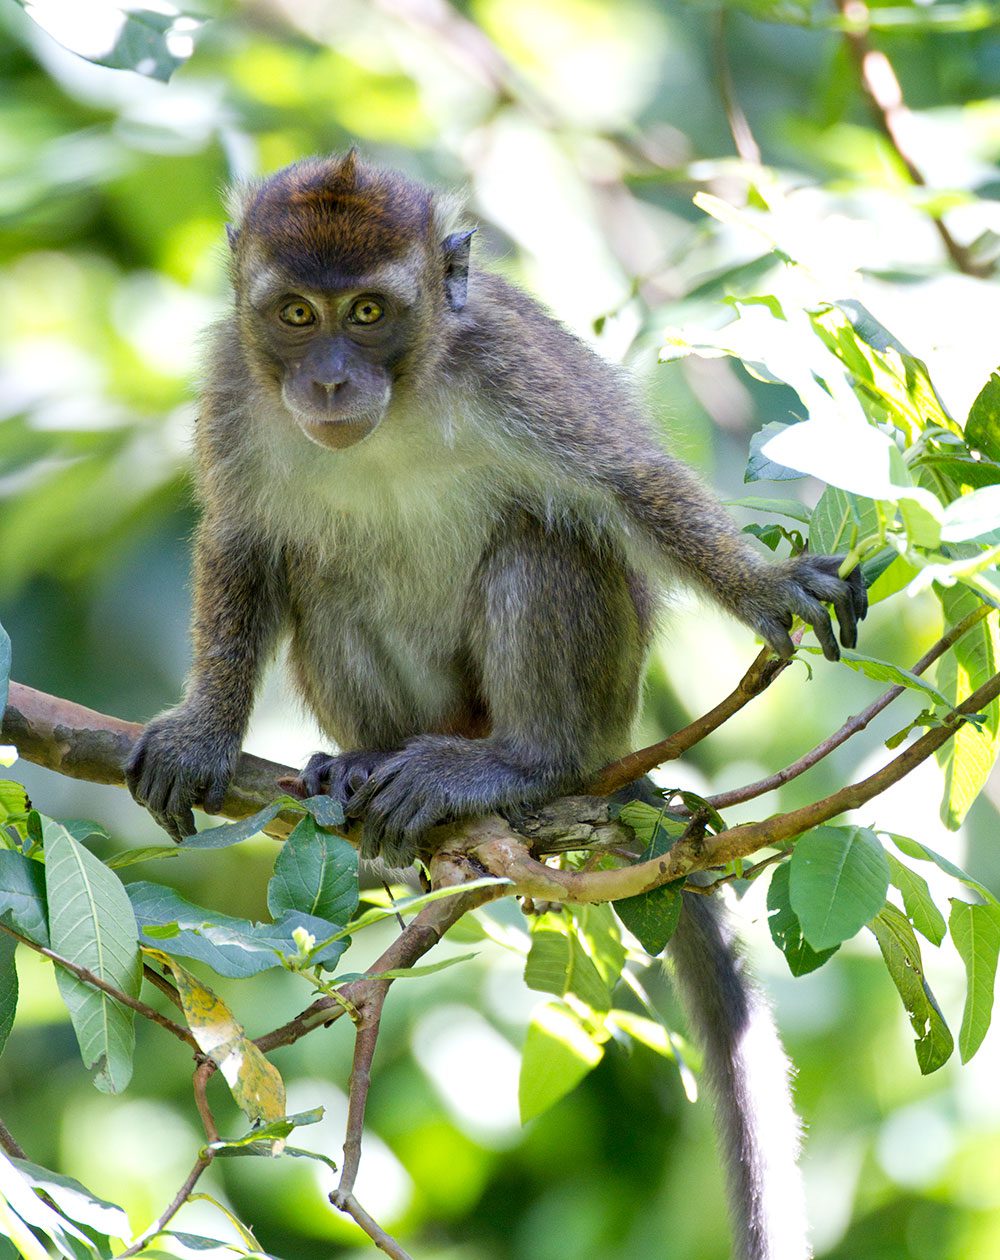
(969, 756)
(837, 881)
(886, 672)
(92, 924)
(786, 930)
(75, 1201)
(558, 1054)
(779, 507)
(976, 933)
(17, 1190)
(602, 936)
(8, 986)
(646, 1031)
(917, 901)
(559, 964)
(254, 1082)
(922, 852)
(901, 954)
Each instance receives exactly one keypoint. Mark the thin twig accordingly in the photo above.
(764, 670)
(385, 1242)
(95, 981)
(882, 88)
(366, 1038)
(852, 726)
(739, 125)
(203, 1073)
(178, 1201)
(10, 1143)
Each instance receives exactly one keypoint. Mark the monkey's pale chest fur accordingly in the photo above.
(397, 527)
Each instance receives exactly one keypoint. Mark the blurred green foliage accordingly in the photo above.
(582, 131)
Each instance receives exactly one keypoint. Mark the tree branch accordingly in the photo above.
(882, 88)
(852, 726)
(764, 670)
(10, 1143)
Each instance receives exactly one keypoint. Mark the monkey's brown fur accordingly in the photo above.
(461, 517)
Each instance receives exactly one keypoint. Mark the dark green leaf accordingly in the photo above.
(779, 507)
(326, 811)
(148, 853)
(982, 429)
(231, 947)
(759, 467)
(976, 933)
(315, 872)
(8, 986)
(901, 954)
(837, 882)
(917, 900)
(652, 917)
(599, 929)
(786, 931)
(22, 896)
(914, 849)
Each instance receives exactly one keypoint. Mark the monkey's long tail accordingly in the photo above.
(748, 1077)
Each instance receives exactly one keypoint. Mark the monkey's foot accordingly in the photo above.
(340, 775)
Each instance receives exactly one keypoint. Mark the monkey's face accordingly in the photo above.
(333, 355)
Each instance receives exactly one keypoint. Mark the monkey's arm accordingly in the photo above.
(187, 755)
(688, 525)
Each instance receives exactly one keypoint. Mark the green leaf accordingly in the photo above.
(76, 1202)
(837, 881)
(143, 40)
(761, 467)
(786, 930)
(267, 1150)
(14, 801)
(317, 873)
(780, 507)
(8, 986)
(91, 923)
(412, 973)
(275, 1131)
(917, 899)
(914, 849)
(969, 756)
(4, 668)
(558, 963)
(231, 947)
(901, 954)
(558, 1054)
(976, 933)
(652, 917)
(407, 906)
(647, 1032)
(982, 429)
(148, 853)
(602, 936)
(20, 1195)
(22, 896)
(884, 671)
(840, 520)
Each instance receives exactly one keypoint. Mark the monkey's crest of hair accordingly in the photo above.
(330, 216)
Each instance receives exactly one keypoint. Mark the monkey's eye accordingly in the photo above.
(298, 313)
(365, 310)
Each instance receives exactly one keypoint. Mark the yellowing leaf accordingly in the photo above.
(255, 1083)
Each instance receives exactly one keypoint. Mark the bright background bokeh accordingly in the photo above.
(580, 131)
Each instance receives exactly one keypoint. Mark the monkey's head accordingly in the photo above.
(344, 275)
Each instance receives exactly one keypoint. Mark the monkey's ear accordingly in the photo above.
(456, 267)
(232, 234)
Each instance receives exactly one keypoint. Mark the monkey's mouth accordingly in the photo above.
(335, 433)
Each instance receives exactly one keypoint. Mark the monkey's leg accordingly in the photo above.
(558, 645)
(187, 755)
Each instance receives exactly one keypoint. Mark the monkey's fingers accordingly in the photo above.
(774, 632)
(315, 777)
(813, 612)
(133, 769)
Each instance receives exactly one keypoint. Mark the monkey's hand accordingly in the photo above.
(178, 761)
(800, 587)
(433, 779)
(340, 775)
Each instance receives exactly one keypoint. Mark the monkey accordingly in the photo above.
(460, 518)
